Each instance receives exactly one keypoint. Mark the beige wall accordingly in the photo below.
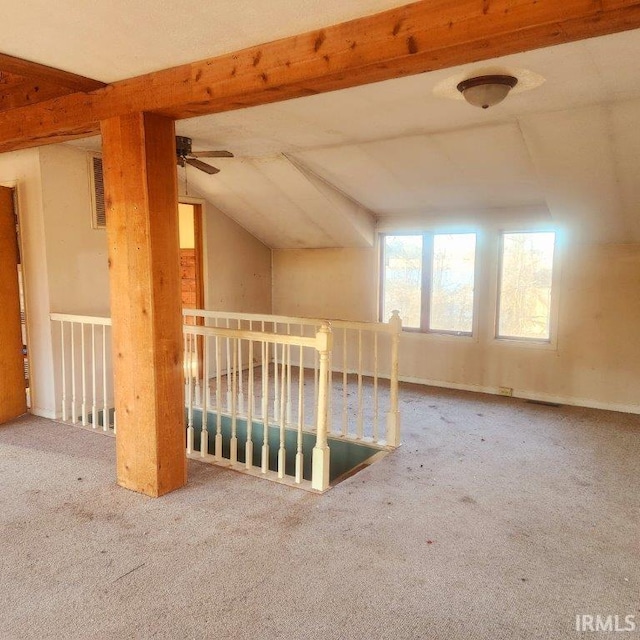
(76, 252)
(318, 283)
(596, 358)
(237, 266)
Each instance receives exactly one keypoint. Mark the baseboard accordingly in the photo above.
(44, 413)
(529, 395)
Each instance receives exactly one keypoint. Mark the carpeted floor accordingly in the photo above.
(496, 519)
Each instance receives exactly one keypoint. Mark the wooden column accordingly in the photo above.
(141, 195)
(13, 399)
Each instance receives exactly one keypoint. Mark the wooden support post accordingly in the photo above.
(144, 256)
(13, 399)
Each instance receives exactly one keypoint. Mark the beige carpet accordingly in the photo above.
(496, 519)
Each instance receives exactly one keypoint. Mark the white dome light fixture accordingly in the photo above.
(486, 91)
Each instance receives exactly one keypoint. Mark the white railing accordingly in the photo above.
(83, 376)
(274, 407)
(254, 379)
(363, 403)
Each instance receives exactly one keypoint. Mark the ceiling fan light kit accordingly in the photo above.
(486, 91)
(185, 156)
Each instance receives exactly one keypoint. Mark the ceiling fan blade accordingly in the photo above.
(211, 154)
(203, 166)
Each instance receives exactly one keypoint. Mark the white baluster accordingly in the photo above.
(218, 439)
(299, 456)
(360, 425)
(288, 379)
(265, 409)
(248, 447)
(64, 374)
(105, 382)
(375, 387)
(345, 385)
(188, 356)
(229, 391)
(240, 381)
(233, 445)
(204, 433)
(276, 395)
(83, 371)
(74, 413)
(94, 408)
(320, 462)
(282, 453)
(393, 417)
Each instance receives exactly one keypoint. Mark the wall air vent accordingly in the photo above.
(98, 209)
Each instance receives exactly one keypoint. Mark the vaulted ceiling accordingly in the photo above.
(325, 170)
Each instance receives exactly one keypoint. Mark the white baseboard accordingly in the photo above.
(529, 395)
(44, 413)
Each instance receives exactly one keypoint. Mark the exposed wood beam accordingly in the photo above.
(18, 91)
(419, 37)
(141, 191)
(42, 73)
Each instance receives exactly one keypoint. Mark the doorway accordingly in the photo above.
(190, 216)
(191, 273)
(14, 389)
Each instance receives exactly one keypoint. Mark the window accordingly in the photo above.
(429, 278)
(524, 295)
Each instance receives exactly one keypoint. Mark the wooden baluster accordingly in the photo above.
(106, 419)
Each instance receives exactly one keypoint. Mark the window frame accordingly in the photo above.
(426, 281)
(551, 341)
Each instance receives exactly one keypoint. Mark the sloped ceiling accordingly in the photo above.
(326, 170)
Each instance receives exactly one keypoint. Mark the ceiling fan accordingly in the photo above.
(186, 156)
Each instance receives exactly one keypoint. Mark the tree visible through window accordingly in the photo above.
(526, 272)
(429, 278)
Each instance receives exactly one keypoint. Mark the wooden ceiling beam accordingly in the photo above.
(42, 73)
(415, 38)
(17, 91)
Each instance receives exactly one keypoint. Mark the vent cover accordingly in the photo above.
(99, 212)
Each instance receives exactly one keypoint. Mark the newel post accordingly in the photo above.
(393, 416)
(320, 463)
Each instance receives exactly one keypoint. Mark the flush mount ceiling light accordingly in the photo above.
(486, 91)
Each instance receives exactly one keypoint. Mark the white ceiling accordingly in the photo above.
(321, 171)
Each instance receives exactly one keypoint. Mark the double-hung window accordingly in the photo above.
(430, 279)
(524, 290)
